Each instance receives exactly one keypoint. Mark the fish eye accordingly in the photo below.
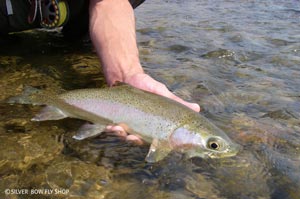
(213, 144)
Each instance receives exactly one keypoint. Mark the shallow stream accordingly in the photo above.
(239, 61)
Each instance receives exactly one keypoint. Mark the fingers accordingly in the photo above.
(134, 139)
(116, 130)
(192, 106)
(121, 132)
(145, 82)
(164, 91)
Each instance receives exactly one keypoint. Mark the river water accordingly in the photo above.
(239, 60)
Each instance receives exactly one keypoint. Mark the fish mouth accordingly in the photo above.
(222, 155)
(229, 152)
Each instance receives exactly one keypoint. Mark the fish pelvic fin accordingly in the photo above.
(89, 130)
(158, 151)
(49, 113)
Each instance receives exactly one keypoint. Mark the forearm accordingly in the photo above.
(112, 30)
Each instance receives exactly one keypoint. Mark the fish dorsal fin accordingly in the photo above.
(158, 151)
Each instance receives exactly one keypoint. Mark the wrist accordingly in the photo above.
(122, 72)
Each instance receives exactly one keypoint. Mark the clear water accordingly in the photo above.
(239, 60)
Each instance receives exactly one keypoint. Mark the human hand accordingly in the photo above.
(145, 82)
(112, 31)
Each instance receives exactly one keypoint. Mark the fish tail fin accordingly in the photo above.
(35, 96)
(28, 96)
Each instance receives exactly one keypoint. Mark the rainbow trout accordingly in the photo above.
(166, 124)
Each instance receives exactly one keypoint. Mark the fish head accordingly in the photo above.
(216, 147)
(202, 142)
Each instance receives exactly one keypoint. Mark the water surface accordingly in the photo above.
(239, 61)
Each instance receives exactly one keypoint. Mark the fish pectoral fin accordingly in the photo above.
(89, 130)
(158, 151)
(49, 113)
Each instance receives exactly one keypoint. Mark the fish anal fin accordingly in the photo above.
(89, 130)
(158, 151)
(49, 113)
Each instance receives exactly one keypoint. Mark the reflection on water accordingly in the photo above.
(240, 61)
